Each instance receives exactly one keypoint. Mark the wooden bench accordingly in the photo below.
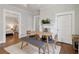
(35, 42)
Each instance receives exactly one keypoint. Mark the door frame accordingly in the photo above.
(4, 21)
(72, 21)
(34, 22)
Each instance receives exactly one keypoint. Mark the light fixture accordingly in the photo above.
(11, 25)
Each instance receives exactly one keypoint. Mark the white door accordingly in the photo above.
(64, 22)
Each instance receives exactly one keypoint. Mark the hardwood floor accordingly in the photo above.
(65, 48)
(10, 40)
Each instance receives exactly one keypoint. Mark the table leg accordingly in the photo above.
(22, 45)
(39, 50)
(47, 45)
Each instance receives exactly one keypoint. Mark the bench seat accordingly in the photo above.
(33, 41)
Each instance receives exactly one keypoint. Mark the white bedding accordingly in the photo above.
(9, 31)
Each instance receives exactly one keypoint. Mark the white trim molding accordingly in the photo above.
(16, 14)
(73, 19)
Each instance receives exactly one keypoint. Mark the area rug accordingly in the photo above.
(30, 49)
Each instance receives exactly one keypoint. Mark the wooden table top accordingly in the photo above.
(75, 37)
(41, 33)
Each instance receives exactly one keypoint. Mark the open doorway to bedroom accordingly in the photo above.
(11, 26)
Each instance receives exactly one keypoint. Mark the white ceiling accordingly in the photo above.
(29, 6)
(34, 6)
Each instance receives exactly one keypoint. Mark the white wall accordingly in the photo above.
(49, 11)
(26, 19)
(26, 23)
(1, 27)
(13, 21)
(77, 19)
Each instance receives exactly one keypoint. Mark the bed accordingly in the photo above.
(9, 30)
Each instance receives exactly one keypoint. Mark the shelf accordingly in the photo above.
(46, 25)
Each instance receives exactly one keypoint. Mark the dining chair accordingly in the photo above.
(54, 38)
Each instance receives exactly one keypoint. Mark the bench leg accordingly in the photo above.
(43, 50)
(39, 50)
(22, 45)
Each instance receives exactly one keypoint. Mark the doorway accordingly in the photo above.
(12, 22)
(65, 26)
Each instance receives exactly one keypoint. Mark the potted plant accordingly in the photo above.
(46, 21)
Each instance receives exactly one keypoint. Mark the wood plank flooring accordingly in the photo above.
(10, 40)
(65, 48)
